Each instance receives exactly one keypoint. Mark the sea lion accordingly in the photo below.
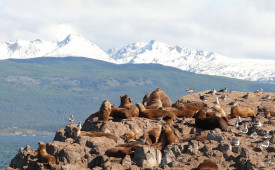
(243, 111)
(168, 136)
(209, 123)
(130, 135)
(152, 136)
(105, 110)
(43, 156)
(96, 134)
(121, 113)
(218, 110)
(159, 99)
(126, 102)
(154, 113)
(195, 106)
(119, 152)
(208, 165)
(145, 99)
(269, 111)
(179, 112)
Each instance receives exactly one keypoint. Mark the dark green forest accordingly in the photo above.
(41, 93)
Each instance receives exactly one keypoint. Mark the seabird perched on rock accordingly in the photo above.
(271, 161)
(268, 97)
(267, 135)
(259, 91)
(79, 125)
(254, 134)
(223, 90)
(246, 96)
(235, 142)
(202, 97)
(265, 144)
(214, 91)
(223, 97)
(234, 103)
(217, 101)
(71, 119)
(245, 129)
(190, 90)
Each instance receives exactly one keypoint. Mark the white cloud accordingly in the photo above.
(233, 28)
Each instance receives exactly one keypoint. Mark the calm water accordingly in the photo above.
(9, 146)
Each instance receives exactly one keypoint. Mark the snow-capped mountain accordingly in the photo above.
(72, 45)
(201, 62)
(187, 59)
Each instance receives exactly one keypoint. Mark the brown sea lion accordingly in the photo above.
(159, 99)
(179, 112)
(208, 164)
(168, 136)
(105, 110)
(119, 152)
(217, 110)
(126, 102)
(43, 156)
(152, 136)
(154, 113)
(209, 123)
(121, 113)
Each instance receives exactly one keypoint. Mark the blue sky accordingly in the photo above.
(238, 29)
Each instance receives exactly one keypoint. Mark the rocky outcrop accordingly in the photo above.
(73, 151)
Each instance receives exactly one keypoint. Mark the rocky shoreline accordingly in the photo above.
(194, 147)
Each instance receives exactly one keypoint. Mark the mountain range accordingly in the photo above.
(197, 61)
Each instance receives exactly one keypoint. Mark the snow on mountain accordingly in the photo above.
(201, 62)
(187, 59)
(72, 45)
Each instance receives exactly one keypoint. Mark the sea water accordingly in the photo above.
(9, 146)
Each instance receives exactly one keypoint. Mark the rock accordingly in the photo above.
(71, 131)
(72, 167)
(24, 158)
(126, 162)
(60, 135)
(215, 135)
(171, 152)
(147, 156)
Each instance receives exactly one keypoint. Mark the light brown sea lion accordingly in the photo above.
(97, 134)
(152, 136)
(145, 99)
(105, 110)
(43, 156)
(132, 134)
(269, 111)
(126, 102)
(218, 110)
(243, 111)
(208, 164)
(159, 99)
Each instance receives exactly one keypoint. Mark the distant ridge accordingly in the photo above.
(197, 61)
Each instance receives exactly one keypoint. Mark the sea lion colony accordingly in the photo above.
(158, 107)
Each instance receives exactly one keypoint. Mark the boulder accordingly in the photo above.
(147, 156)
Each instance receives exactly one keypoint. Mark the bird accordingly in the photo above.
(234, 103)
(246, 96)
(265, 143)
(245, 129)
(267, 135)
(223, 90)
(271, 161)
(190, 90)
(239, 120)
(214, 91)
(223, 97)
(254, 134)
(217, 101)
(235, 142)
(202, 97)
(79, 125)
(71, 119)
(268, 97)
